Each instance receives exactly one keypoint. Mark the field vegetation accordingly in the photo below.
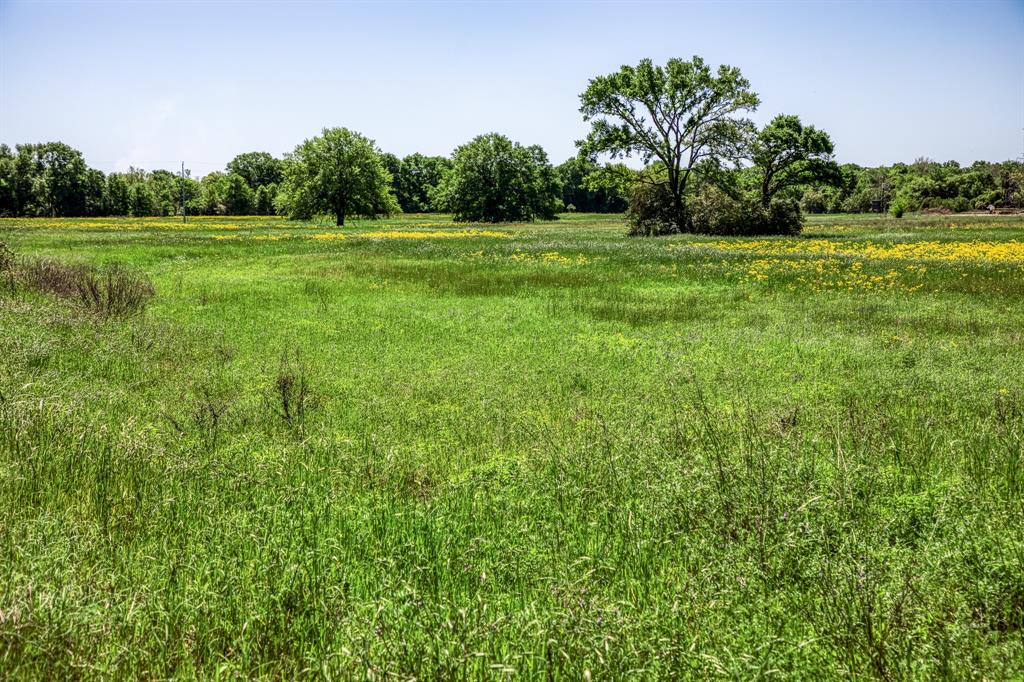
(414, 448)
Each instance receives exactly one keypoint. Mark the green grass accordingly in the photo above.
(556, 453)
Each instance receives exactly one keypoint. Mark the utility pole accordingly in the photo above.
(183, 209)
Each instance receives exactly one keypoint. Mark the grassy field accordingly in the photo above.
(415, 449)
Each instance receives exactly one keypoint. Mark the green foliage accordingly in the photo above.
(715, 212)
(787, 154)
(142, 200)
(678, 115)
(898, 207)
(821, 199)
(923, 185)
(258, 168)
(493, 179)
(587, 187)
(340, 173)
(116, 197)
(239, 198)
(211, 194)
(711, 210)
(264, 199)
(49, 179)
(652, 211)
(414, 178)
(790, 160)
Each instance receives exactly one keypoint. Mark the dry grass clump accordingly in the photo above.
(109, 290)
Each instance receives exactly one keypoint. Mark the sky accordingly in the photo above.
(152, 84)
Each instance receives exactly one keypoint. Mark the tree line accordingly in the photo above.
(52, 179)
(704, 167)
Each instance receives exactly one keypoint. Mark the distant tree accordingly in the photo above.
(142, 200)
(95, 186)
(212, 194)
(167, 188)
(116, 195)
(678, 115)
(787, 154)
(414, 178)
(49, 179)
(1011, 184)
(340, 172)
(8, 183)
(264, 199)
(258, 169)
(419, 176)
(239, 199)
(393, 165)
(585, 186)
(493, 179)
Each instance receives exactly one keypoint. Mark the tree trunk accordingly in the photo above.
(340, 212)
(677, 203)
(766, 187)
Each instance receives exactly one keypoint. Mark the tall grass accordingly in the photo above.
(302, 462)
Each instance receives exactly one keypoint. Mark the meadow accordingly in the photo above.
(411, 448)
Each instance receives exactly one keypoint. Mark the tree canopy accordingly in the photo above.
(585, 187)
(679, 115)
(414, 178)
(257, 168)
(788, 154)
(341, 173)
(493, 179)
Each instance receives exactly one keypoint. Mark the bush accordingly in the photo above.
(991, 198)
(710, 211)
(958, 204)
(6, 258)
(898, 207)
(715, 212)
(814, 201)
(110, 291)
(651, 212)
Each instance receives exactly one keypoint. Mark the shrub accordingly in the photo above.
(110, 291)
(814, 201)
(6, 258)
(715, 212)
(710, 211)
(991, 198)
(651, 212)
(898, 207)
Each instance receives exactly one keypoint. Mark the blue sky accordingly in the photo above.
(152, 84)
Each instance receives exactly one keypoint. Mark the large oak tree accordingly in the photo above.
(676, 115)
(493, 179)
(340, 173)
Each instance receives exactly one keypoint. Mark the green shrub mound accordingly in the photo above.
(710, 211)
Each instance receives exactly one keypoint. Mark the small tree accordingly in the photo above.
(493, 179)
(678, 115)
(340, 173)
(787, 154)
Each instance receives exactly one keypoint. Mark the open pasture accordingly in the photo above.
(414, 449)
